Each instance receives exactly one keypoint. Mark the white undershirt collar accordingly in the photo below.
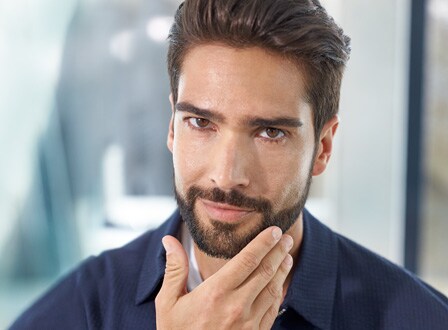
(194, 277)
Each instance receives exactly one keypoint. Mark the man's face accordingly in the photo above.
(243, 145)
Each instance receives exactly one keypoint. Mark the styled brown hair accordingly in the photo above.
(300, 30)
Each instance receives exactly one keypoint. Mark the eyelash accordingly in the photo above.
(188, 120)
(276, 139)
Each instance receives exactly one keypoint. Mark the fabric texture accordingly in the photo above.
(337, 284)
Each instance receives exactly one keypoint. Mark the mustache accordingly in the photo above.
(233, 197)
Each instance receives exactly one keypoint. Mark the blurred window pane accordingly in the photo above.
(434, 243)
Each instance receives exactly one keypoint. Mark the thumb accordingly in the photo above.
(176, 270)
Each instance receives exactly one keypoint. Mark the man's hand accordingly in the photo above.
(244, 294)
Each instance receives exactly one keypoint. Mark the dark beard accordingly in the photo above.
(222, 240)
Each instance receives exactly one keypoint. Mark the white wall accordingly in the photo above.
(365, 184)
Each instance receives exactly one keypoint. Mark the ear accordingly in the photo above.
(170, 139)
(325, 145)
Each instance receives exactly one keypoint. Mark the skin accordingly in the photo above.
(229, 146)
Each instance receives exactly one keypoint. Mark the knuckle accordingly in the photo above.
(249, 260)
(214, 296)
(173, 267)
(218, 293)
(273, 290)
(236, 313)
(272, 312)
(267, 270)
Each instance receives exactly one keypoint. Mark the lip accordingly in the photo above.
(224, 212)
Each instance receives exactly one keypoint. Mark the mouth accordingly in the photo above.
(224, 212)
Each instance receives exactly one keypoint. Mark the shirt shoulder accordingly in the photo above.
(61, 305)
(101, 291)
(385, 294)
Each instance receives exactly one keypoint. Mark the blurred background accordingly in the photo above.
(84, 114)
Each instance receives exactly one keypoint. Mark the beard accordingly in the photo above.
(222, 240)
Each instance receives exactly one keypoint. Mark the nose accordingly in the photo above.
(230, 161)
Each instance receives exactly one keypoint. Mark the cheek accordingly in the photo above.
(188, 160)
(289, 176)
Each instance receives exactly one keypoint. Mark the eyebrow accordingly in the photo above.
(207, 114)
(278, 121)
(250, 121)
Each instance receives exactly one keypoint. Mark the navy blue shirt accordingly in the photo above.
(337, 284)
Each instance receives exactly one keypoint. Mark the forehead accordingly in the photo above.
(241, 81)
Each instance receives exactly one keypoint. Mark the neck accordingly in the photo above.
(210, 265)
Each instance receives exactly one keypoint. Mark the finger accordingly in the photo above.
(176, 271)
(273, 290)
(267, 269)
(238, 269)
(269, 317)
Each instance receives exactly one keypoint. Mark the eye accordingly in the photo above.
(199, 122)
(272, 133)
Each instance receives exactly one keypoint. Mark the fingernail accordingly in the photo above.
(276, 233)
(288, 260)
(288, 242)
(167, 246)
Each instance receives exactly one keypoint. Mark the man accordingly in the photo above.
(255, 91)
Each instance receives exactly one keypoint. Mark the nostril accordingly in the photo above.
(229, 181)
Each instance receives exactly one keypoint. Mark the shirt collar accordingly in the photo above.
(154, 261)
(313, 286)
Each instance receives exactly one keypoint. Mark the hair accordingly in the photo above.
(299, 30)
